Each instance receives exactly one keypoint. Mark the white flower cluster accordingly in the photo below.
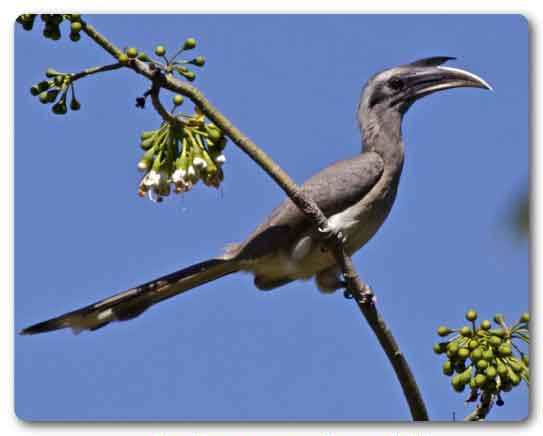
(178, 158)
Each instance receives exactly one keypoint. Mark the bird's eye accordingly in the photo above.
(395, 83)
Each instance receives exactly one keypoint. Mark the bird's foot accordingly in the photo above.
(328, 233)
(366, 297)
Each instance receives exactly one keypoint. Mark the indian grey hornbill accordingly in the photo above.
(355, 194)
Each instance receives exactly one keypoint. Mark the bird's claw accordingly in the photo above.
(328, 233)
(366, 297)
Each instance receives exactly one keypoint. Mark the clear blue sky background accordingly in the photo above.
(226, 351)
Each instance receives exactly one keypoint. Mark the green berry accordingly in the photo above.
(504, 350)
(473, 344)
(525, 317)
(75, 36)
(132, 52)
(59, 108)
(49, 96)
(452, 349)
(463, 353)
(485, 325)
(55, 34)
(491, 372)
(448, 368)
(441, 330)
(199, 61)
(499, 319)
(143, 57)
(501, 369)
(514, 378)
(488, 354)
(482, 364)
(457, 380)
(465, 331)
(177, 100)
(515, 365)
(190, 43)
(44, 97)
(495, 341)
(27, 21)
(480, 380)
(76, 26)
(471, 315)
(466, 375)
(189, 75)
(439, 348)
(160, 50)
(75, 105)
(123, 58)
(476, 354)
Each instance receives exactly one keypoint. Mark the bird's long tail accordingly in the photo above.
(131, 303)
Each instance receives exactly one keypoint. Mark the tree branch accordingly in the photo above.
(355, 286)
(482, 409)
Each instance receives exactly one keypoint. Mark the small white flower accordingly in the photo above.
(220, 159)
(191, 172)
(181, 181)
(179, 175)
(152, 179)
(143, 165)
(199, 163)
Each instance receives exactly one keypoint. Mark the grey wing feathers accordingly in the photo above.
(334, 189)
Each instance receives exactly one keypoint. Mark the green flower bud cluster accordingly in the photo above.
(55, 91)
(178, 156)
(171, 64)
(52, 22)
(483, 358)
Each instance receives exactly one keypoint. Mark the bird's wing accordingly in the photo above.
(334, 189)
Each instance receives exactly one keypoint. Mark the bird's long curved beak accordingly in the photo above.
(429, 80)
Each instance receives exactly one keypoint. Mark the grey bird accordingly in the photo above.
(355, 194)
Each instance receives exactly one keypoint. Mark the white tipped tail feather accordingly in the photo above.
(133, 302)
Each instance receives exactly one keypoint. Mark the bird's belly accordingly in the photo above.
(357, 223)
(358, 229)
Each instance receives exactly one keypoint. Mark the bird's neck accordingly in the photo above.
(383, 135)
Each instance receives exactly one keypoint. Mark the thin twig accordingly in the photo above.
(95, 70)
(355, 286)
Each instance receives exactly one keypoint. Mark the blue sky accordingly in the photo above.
(226, 351)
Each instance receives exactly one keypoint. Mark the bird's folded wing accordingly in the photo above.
(334, 189)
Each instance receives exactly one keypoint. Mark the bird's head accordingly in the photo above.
(396, 89)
